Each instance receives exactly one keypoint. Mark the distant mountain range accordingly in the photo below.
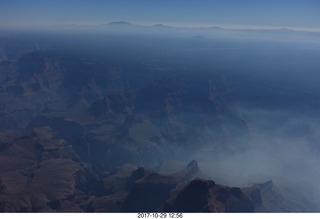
(159, 25)
(127, 24)
(211, 31)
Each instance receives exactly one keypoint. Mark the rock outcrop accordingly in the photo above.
(206, 196)
(145, 190)
(41, 173)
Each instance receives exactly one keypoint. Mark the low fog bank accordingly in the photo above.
(283, 147)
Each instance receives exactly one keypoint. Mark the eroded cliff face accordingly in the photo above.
(109, 117)
(87, 133)
(67, 122)
(41, 173)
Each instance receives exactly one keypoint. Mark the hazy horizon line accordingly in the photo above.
(23, 26)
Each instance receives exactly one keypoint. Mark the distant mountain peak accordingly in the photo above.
(120, 23)
(216, 28)
(159, 25)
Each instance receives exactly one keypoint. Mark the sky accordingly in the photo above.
(270, 13)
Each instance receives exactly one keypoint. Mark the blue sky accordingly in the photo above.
(271, 13)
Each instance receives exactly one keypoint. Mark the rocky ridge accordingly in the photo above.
(100, 109)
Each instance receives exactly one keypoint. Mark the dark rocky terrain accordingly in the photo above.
(108, 118)
(82, 132)
(108, 121)
(40, 172)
